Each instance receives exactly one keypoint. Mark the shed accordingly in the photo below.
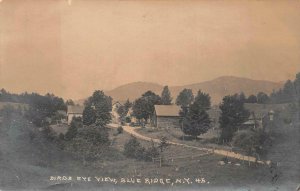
(166, 116)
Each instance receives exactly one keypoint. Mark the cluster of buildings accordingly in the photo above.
(167, 116)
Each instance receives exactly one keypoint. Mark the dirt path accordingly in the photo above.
(230, 154)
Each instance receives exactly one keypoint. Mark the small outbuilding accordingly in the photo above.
(166, 116)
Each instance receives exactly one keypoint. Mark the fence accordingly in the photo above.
(171, 159)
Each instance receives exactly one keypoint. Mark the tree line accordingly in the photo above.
(290, 92)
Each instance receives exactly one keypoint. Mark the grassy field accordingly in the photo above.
(174, 134)
(15, 105)
(29, 164)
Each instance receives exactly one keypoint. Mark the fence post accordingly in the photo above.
(159, 161)
(249, 160)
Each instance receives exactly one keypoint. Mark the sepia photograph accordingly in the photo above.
(129, 95)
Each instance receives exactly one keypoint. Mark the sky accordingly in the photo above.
(72, 47)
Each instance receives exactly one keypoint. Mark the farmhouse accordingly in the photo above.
(114, 112)
(74, 111)
(166, 116)
(262, 114)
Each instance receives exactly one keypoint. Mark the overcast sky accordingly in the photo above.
(71, 49)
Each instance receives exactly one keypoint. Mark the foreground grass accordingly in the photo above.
(28, 164)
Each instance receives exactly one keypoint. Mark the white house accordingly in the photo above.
(74, 111)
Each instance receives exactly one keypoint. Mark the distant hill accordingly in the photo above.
(228, 85)
(217, 88)
(133, 90)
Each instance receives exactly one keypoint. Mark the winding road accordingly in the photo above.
(131, 130)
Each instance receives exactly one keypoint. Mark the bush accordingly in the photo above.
(251, 141)
(61, 136)
(120, 129)
(128, 120)
(48, 133)
(151, 152)
(90, 143)
(76, 123)
(133, 149)
(163, 143)
(287, 121)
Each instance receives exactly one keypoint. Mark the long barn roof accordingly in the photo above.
(75, 109)
(167, 110)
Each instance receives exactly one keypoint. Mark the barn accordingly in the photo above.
(166, 116)
(74, 111)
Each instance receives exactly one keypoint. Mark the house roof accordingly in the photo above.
(62, 112)
(117, 103)
(167, 110)
(75, 109)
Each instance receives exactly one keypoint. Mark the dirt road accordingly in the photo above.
(230, 154)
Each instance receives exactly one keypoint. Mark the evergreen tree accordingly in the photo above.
(202, 100)
(70, 102)
(297, 85)
(185, 98)
(262, 98)
(195, 120)
(88, 115)
(232, 117)
(122, 110)
(166, 98)
(242, 97)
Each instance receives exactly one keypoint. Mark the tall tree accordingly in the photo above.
(185, 98)
(123, 110)
(88, 115)
(70, 102)
(195, 120)
(140, 110)
(143, 107)
(166, 98)
(242, 97)
(97, 109)
(202, 100)
(262, 98)
(297, 84)
(252, 99)
(289, 93)
(233, 115)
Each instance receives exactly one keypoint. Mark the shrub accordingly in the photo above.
(61, 136)
(90, 143)
(128, 119)
(133, 149)
(48, 133)
(120, 129)
(287, 121)
(140, 153)
(251, 141)
(151, 152)
(163, 144)
(73, 129)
